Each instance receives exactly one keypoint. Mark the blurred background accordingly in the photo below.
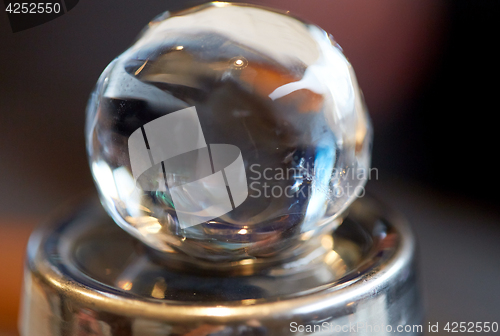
(427, 69)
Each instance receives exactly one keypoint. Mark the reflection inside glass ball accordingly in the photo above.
(228, 132)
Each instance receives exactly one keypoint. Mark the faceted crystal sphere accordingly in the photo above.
(228, 132)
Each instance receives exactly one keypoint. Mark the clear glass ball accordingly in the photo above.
(228, 132)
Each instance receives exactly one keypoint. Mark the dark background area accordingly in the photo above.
(448, 132)
(428, 71)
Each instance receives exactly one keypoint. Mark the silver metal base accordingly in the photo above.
(85, 276)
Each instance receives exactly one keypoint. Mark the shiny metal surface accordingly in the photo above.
(85, 276)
